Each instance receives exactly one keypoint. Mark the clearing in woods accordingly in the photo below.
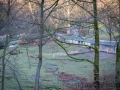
(58, 70)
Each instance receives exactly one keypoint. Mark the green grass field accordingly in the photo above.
(24, 66)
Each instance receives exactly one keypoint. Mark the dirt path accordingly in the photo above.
(90, 53)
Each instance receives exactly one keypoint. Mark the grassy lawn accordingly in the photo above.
(25, 67)
(106, 36)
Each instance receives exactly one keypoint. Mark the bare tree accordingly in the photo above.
(96, 46)
(96, 57)
(41, 30)
(118, 53)
(9, 18)
(6, 44)
(2, 16)
(68, 17)
(111, 13)
(40, 22)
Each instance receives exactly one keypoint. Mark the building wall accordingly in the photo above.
(103, 47)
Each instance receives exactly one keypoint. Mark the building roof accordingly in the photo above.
(85, 39)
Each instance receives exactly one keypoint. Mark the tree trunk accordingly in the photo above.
(118, 57)
(6, 44)
(96, 57)
(118, 66)
(3, 63)
(41, 29)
